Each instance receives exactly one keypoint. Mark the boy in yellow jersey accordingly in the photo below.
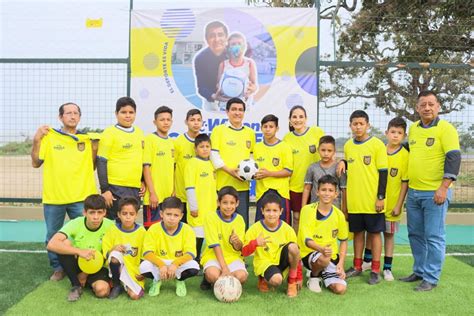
(224, 231)
(233, 142)
(275, 163)
(68, 173)
(184, 151)
(275, 246)
(169, 249)
(122, 247)
(322, 225)
(158, 166)
(82, 237)
(200, 183)
(366, 158)
(120, 157)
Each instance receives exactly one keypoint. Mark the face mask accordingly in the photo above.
(235, 50)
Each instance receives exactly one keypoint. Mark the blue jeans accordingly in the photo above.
(243, 208)
(427, 233)
(54, 218)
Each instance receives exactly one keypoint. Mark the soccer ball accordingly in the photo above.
(247, 169)
(227, 289)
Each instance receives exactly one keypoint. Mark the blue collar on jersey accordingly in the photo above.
(180, 225)
(234, 215)
(280, 222)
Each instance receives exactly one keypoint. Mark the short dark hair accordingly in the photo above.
(426, 93)
(193, 112)
(327, 139)
(94, 202)
(128, 200)
(123, 102)
(201, 138)
(172, 202)
(163, 109)
(269, 118)
(328, 179)
(227, 190)
(61, 108)
(397, 122)
(296, 107)
(232, 101)
(359, 114)
(213, 25)
(271, 198)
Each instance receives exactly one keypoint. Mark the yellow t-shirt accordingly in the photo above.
(184, 151)
(428, 149)
(68, 169)
(124, 154)
(199, 175)
(133, 242)
(233, 145)
(364, 160)
(397, 173)
(273, 158)
(169, 247)
(159, 155)
(217, 232)
(305, 152)
(269, 255)
(323, 232)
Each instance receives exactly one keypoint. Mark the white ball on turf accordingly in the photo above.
(227, 289)
(247, 169)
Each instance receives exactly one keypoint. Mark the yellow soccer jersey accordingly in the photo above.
(233, 145)
(159, 155)
(184, 151)
(364, 160)
(273, 158)
(170, 247)
(428, 149)
(217, 232)
(397, 173)
(133, 242)
(68, 169)
(200, 176)
(269, 255)
(124, 154)
(305, 152)
(325, 231)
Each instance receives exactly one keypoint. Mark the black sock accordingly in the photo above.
(387, 263)
(115, 269)
(186, 274)
(70, 267)
(367, 255)
(199, 242)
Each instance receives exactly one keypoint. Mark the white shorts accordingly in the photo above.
(199, 231)
(329, 274)
(147, 266)
(125, 277)
(233, 266)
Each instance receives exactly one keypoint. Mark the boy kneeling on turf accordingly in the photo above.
(275, 247)
(122, 246)
(82, 237)
(169, 249)
(321, 224)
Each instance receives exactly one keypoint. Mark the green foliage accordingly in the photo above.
(17, 148)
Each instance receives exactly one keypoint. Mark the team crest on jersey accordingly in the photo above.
(312, 149)
(133, 251)
(430, 141)
(334, 233)
(248, 144)
(276, 161)
(178, 253)
(367, 160)
(393, 172)
(81, 146)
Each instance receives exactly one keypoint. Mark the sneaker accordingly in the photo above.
(74, 294)
(292, 290)
(57, 275)
(115, 292)
(352, 272)
(374, 278)
(181, 288)
(155, 288)
(262, 285)
(424, 286)
(411, 278)
(387, 275)
(205, 285)
(366, 266)
(314, 285)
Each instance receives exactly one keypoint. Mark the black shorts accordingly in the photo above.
(102, 275)
(282, 265)
(371, 223)
(307, 257)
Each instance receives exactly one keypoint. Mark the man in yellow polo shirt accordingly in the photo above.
(433, 165)
(68, 173)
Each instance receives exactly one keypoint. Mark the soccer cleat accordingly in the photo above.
(314, 285)
(74, 294)
(262, 285)
(387, 275)
(366, 266)
(57, 275)
(181, 288)
(424, 286)
(155, 288)
(374, 278)
(292, 290)
(205, 285)
(411, 278)
(115, 292)
(352, 272)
